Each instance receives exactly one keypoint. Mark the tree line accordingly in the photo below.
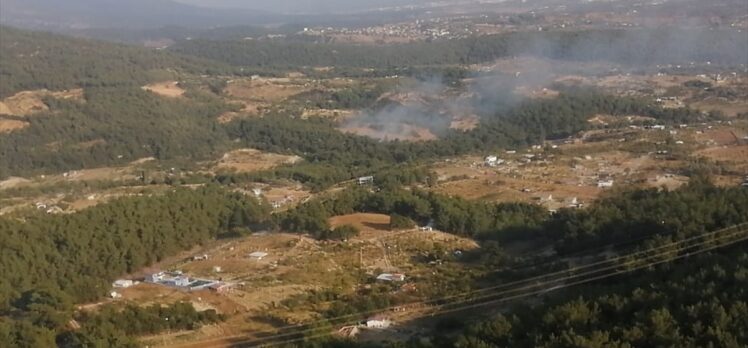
(635, 47)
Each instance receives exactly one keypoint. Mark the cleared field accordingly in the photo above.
(370, 225)
(403, 132)
(334, 114)
(729, 108)
(27, 103)
(7, 125)
(294, 265)
(169, 89)
(249, 160)
(265, 90)
(465, 123)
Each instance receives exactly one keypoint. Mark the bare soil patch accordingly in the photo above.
(731, 109)
(720, 137)
(13, 182)
(465, 123)
(168, 89)
(264, 90)
(27, 103)
(249, 160)
(735, 154)
(335, 114)
(370, 225)
(405, 132)
(8, 125)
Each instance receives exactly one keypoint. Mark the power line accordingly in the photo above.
(514, 297)
(547, 282)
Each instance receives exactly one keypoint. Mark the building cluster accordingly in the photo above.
(422, 29)
(177, 279)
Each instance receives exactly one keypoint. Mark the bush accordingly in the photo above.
(338, 233)
(399, 222)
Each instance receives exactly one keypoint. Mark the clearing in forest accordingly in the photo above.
(8, 125)
(249, 160)
(402, 132)
(27, 103)
(168, 89)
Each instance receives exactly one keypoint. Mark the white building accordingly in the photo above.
(366, 180)
(378, 322)
(605, 183)
(258, 255)
(123, 283)
(391, 277)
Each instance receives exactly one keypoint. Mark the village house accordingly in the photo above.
(493, 161)
(365, 180)
(123, 283)
(391, 277)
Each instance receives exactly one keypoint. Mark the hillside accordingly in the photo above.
(80, 14)
(639, 47)
(31, 60)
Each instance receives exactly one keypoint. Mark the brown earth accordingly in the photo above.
(407, 133)
(264, 90)
(249, 160)
(168, 89)
(7, 125)
(370, 225)
(27, 103)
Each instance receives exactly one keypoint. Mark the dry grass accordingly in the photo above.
(264, 90)
(406, 133)
(720, 137)
(732, 154)
(729, 108)
(335, 114)
(294, 265)
(169, 89)
(249, 160)
(7, 125)
(28, 103)
(12, 182)
(465, 123)
(370, 225)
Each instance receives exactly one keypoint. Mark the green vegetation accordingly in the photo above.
(30, 60)
(338, 233)
(81, 253)
(399, 222)
(628, 47)
(696, 303)
(50, 262)
(114, 125)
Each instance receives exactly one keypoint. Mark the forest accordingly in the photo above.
(51, 262)
(35, 60)
(121, 124)
(641, 47)
(57, 260)
(118, 122)
(700, 302)
(332, 156)
(81, 253)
